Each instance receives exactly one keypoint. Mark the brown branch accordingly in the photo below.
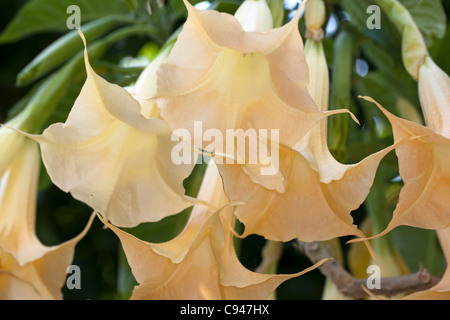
(352, 287)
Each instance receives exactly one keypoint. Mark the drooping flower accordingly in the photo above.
(228, 75)
(108, 155)
(434, 94)
(320, 192)
(424, 168)
(200, 263)
(237, 72)
(348, 185)
(28, 269)
(422, 151)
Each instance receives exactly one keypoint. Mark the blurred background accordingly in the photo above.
(376, 70)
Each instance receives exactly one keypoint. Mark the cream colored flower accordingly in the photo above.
(434, 94)
(425, 170)
(200, 263)
(423, 152)
(233, 73)
(227, 74)
(108, 155)
(320, 193)
(28, 269)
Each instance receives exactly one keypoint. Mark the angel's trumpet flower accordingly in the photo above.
(237, 72)
(344, 177)
(320, 192)
(228, 77)
(434, 94)
(423, 159)
(108, 155)
(424, 168)
(28, 269)
(200, 263)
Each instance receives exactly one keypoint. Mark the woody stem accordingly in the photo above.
(356, 288)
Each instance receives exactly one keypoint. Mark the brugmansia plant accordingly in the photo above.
(227, 149)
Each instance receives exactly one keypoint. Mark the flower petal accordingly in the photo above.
(425, 171)
(434, 94)
(228, 79)
(201, 262)
(303, 211)
(109, 156)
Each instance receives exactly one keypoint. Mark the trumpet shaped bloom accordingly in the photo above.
(231, 74)
(316, 150)
(320, 193)
(108, 155)
(28, 269)
(424, 167)
(434, 94)
(200, 263)
(309, 209)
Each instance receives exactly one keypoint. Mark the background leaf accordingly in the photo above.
(51, 15)
(429, 16)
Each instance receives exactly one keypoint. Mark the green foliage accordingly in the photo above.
(50, 15)
(119, 29)
(429, 16)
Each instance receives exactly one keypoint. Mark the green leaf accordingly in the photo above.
(125, 279)
(390, 71)
(65, 47)
(439, 51)
(429, 16)
(381, 88)
(419, 247)
(51, 15)
(357, 11)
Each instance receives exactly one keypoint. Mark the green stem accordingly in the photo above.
(414, 49)
(340, 92)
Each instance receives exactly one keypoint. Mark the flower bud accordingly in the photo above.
(315, 14)
(434, 94)
(254, 15)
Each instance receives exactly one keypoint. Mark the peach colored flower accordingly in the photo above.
(108, 155)
(200, 263)
(28, 269)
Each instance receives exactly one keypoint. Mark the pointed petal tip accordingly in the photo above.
(339, 111)
(370, 99)
(227, 223)
(362, 237)
(299, 11)
(86, 57)
(189, 6)
(35, 137)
